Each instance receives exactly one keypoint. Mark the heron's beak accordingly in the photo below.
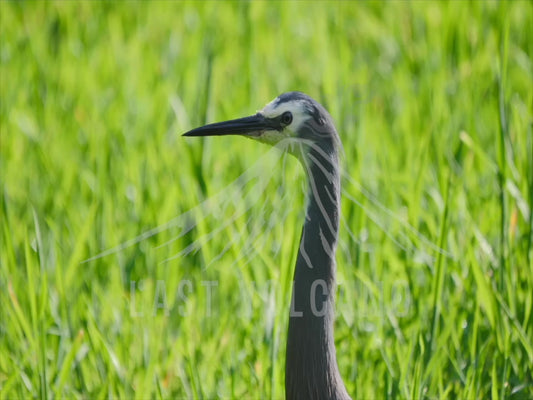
(252, 126)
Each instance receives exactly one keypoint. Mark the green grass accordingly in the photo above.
(433, 102)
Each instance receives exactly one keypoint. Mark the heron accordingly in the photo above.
(294, 118)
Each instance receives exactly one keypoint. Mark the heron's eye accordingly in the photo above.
(286, 118)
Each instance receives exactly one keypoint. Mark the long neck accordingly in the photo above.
(311, 370)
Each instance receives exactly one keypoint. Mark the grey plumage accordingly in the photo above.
(311, 370)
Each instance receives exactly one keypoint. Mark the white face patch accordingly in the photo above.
(275, 109)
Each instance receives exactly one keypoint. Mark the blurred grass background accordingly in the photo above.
(433, 102)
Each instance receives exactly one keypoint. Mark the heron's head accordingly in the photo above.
(293, 118)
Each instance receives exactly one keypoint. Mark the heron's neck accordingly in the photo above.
(311, 364)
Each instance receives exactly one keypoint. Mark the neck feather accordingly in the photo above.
(311, 366)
